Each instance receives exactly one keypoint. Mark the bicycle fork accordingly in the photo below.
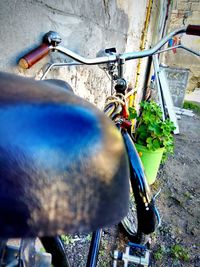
(148, 216)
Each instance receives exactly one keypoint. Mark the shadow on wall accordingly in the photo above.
(85, 26)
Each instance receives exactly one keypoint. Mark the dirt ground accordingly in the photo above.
(177, 242)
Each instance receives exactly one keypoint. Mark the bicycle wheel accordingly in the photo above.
(130, 224)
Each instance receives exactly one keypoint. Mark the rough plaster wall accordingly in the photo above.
(157, 21)
(186, 12)
(153, 36)
(85, 26)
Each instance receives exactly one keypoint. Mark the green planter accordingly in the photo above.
(151, 161)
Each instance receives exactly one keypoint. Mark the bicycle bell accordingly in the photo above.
(52, 38)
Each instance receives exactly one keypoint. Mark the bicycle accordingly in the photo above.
(44, 93)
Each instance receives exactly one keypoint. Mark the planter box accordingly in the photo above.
(151, 161)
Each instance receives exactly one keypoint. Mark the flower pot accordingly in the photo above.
(151, 161)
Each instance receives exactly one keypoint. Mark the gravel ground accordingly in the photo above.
(177, 242)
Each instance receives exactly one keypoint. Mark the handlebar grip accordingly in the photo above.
(193, 30)
(34, 56)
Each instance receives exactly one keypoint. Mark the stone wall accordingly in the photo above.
(154, 34)
(183, 13)
(85, 27)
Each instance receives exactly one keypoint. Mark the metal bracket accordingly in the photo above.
(134, 253)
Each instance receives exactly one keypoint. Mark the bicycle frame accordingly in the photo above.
(145, 202)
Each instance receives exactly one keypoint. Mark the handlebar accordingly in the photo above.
(193, 30)
(34, 56)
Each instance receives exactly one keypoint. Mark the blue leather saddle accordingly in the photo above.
(63, 166)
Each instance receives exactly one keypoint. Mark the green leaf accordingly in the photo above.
(156, 144)
(149, 140)
(152, 131)
(132, 113)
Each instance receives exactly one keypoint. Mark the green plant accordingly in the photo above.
(195, 106)
(179, 253)
(89, 237)
(67, 239)
(151, 131)
(159, 253)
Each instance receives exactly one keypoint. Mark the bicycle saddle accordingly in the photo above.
(63, 166)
